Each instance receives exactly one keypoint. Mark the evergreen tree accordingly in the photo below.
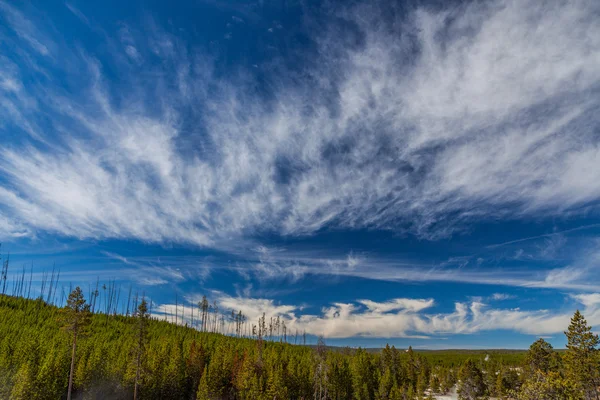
(363, 373)
(179, 362)
(471, 385)
(276, 389)
(549, 386)
(540, 357)
(340, 382)
(411, 368)
(396, 392)
(422, 381)
(386, 382)
(203, 391)
(23, 385)
(142, 316)
(507, 381)
(195, 365)
(50, 381)
(581, 357)
(410, 393)
(434, 382)
(75, 316)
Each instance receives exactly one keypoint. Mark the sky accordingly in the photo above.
(421, 173)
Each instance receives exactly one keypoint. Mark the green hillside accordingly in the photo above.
(178, 362)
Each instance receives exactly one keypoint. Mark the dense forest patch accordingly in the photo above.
(173, 361)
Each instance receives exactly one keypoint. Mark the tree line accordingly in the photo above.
(50, 352)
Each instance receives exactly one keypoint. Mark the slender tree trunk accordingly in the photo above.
(72, 365)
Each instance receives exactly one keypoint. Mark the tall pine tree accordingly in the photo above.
(471, 383)
(142, 317)
(75, 316)
(581, 357)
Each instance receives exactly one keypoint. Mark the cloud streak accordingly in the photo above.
(276, 265)
(482, 111)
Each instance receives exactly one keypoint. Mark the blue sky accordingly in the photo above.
(422, 173)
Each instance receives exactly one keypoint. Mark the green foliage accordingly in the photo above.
(76, 314)
(75, 317)
(581, 358)
(540, 357)
(549, 386)
(507, 381)
(171, 361)
(471, 385)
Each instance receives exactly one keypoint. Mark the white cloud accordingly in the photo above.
(566, 275)
(590, 300)
(294, 265)
(409, 305)
(147, 281)
(489, 110)
(78, 13)
(132, 53)
(24, 28)
(401, 317)
(502, 296)
(11, 229)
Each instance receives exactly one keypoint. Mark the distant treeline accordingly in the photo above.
(114, 356)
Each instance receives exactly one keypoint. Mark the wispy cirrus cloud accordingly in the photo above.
(502, 296)
(480, 111)
(289, 265)
(25, 29)
(152, 271)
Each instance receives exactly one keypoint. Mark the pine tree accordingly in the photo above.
(142, 317)
(507, 382)
(434, 382)
(174, 359)
(550, 386)
(581, 357)
(23, 386)
(340, 381)
(396, 392)
(276, 389)
(203, 392)
(471, 384)
(499, 386)
(422, 383)
(540, 357)
(363, 371)
(50, 381)
(76, 317)
(195, 365)
(386, 382)
(410, 393)
(411, 369)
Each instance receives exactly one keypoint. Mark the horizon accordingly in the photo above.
(416, 173)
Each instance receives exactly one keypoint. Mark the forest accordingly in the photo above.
(82, 351)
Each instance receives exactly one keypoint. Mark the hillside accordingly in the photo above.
(35, 358)
(178, 362)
